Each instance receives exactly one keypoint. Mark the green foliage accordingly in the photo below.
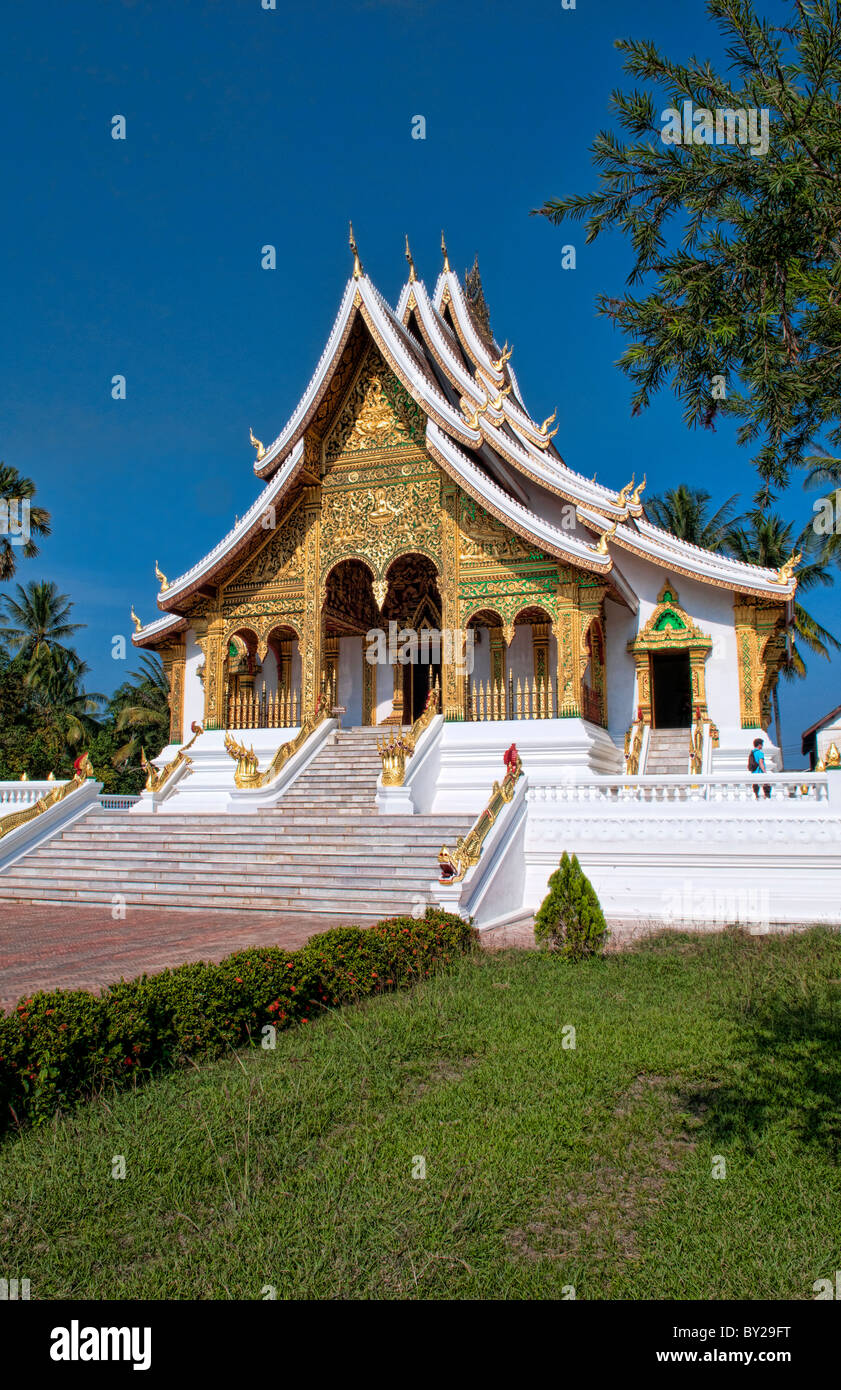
(570, 919)
(60, 1046)
(738, 251)
(15, 488)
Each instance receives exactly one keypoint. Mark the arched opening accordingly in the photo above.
(349, 614)
(241, 668)
(484, 687)
(281, 692)
(412, 603)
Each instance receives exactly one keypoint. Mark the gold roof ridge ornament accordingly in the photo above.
(256, 444)
(501, 361)
(544, 431)
(412, 276)
(444, 254)
(638, 491)
(162, 577)
(601, 548)
(358, 272)
(472, 421)
(137, 623)
(496, 403)
(785, 573)
(622, 497)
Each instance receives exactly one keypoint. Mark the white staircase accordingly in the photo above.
(668, 752)
(322, 849)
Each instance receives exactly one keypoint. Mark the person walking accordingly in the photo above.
(756, 765)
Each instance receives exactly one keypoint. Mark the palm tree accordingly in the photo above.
(60, 691)
(141, 705)
(37, 625)
(685, 511)
(14, 488)
(767, 540)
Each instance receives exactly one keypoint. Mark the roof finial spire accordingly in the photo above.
(444, 253)
(412, 276)
(357, 264)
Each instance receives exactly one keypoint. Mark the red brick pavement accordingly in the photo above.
(65, 947)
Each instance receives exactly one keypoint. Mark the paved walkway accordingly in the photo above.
(82, 948)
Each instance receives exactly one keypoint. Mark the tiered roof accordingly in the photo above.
(479, 430)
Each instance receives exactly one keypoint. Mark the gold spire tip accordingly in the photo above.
(444, 254)
(412, 276)
(357, 264)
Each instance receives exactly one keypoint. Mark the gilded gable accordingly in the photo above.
(377, 414)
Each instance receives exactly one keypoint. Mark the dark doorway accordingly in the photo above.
(417, 683)
(671, 681)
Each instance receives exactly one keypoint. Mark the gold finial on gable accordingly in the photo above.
(256, 444)
(357, 264)
(444, 253)
(412, 276)
(137, 623)
(162, 577)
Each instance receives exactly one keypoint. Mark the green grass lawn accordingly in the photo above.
(546, 1166)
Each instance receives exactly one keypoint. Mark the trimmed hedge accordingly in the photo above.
(59, 1047)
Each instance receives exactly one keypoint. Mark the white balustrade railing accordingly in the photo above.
(789, 787)
(16, 796)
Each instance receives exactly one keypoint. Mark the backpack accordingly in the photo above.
(753, 761)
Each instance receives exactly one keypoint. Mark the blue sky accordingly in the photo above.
(247, 127)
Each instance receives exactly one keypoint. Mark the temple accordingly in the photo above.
(430, 657)
(412, 491)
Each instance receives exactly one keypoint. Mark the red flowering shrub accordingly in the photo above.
(58, 1047)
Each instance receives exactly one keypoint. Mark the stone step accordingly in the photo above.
(369, 910)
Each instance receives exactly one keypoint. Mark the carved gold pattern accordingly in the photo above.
(156, 778)
(247, 774)
(13, 819)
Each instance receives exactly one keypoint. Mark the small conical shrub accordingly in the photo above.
(570, 919)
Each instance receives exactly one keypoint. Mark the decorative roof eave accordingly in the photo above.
(512, 514)
(232, 546)
(709, 566)
(434, 330)
(448, 290)
(151, 634)
(545, 471)
(318, 384)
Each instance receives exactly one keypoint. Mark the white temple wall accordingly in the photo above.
(711, 609)
(193, 688)
(351, 657)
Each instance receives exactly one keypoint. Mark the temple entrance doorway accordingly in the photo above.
(671, 687)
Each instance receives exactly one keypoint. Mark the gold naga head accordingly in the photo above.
(786, 572)
(496, 403)
(601, 548)
(622, 497)
(256, 444)
(638, 491)
(164, 582)
(501, 360)
(137, 623)
(547, 422)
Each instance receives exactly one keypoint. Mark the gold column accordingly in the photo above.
(568, 633)
(173, 658)
(213, 646)
(540, 651)
(643, 665)
(313, 600)
(331, 664)
(369, 689)
(452, 679)
(760, 643)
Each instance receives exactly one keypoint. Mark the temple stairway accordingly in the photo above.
(668, 752)
(323, 849)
